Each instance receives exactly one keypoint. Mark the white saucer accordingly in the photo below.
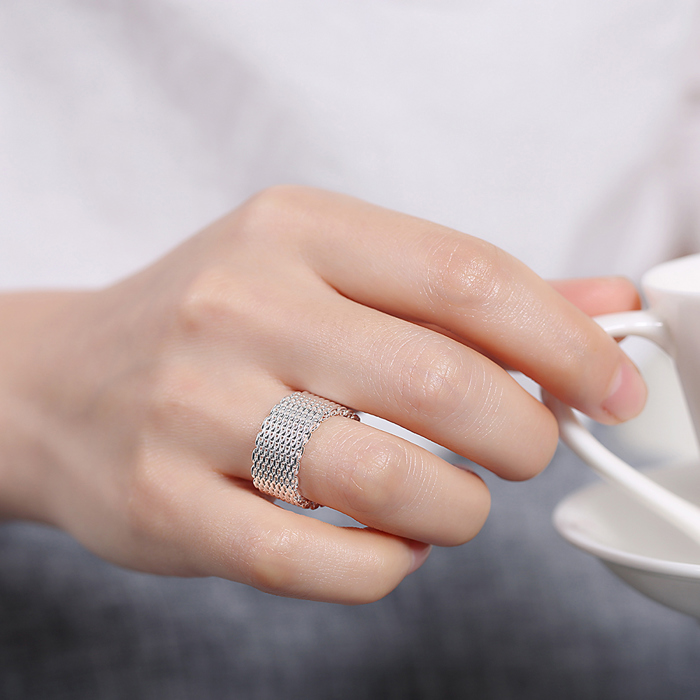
(634, 543)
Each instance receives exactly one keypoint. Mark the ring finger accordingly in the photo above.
(377, 478)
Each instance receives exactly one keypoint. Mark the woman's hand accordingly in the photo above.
(130, 413)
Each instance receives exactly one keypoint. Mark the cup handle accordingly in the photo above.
(675, 510)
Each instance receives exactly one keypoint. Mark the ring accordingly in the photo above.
(280, 444)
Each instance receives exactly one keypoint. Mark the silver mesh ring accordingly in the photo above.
(280, 444)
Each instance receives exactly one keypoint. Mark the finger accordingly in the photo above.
(420, 379)
(391, 484)
(379, 479)
(593, 295)
(412, 268)
(201, 523)
(212, 417)
(599, 295)
(357, 356)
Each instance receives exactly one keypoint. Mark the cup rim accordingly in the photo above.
(679, 276)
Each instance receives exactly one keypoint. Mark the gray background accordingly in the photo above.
(517, 613)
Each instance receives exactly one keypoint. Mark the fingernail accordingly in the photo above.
(628, 393)
(420, 553)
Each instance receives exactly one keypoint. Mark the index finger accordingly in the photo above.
(415, 269)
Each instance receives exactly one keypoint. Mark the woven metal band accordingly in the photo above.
(280, 444)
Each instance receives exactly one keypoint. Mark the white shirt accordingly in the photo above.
(559, 131)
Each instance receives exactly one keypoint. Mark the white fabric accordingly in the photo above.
(557, 130)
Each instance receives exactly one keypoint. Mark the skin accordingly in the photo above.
(130, 412)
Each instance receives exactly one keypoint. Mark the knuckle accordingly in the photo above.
(466, 273)
(431, 377)
(375, 481)
(217, 304)
(267, 214)
(490, 412)
(208, 301)
(271, 560)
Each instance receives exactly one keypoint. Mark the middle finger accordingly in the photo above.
(422, 380)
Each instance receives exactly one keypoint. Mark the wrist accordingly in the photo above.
(27, 376)
(20, 462)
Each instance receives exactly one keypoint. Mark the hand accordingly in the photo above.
(133, 410)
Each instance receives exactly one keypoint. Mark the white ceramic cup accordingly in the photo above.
(672, 322)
